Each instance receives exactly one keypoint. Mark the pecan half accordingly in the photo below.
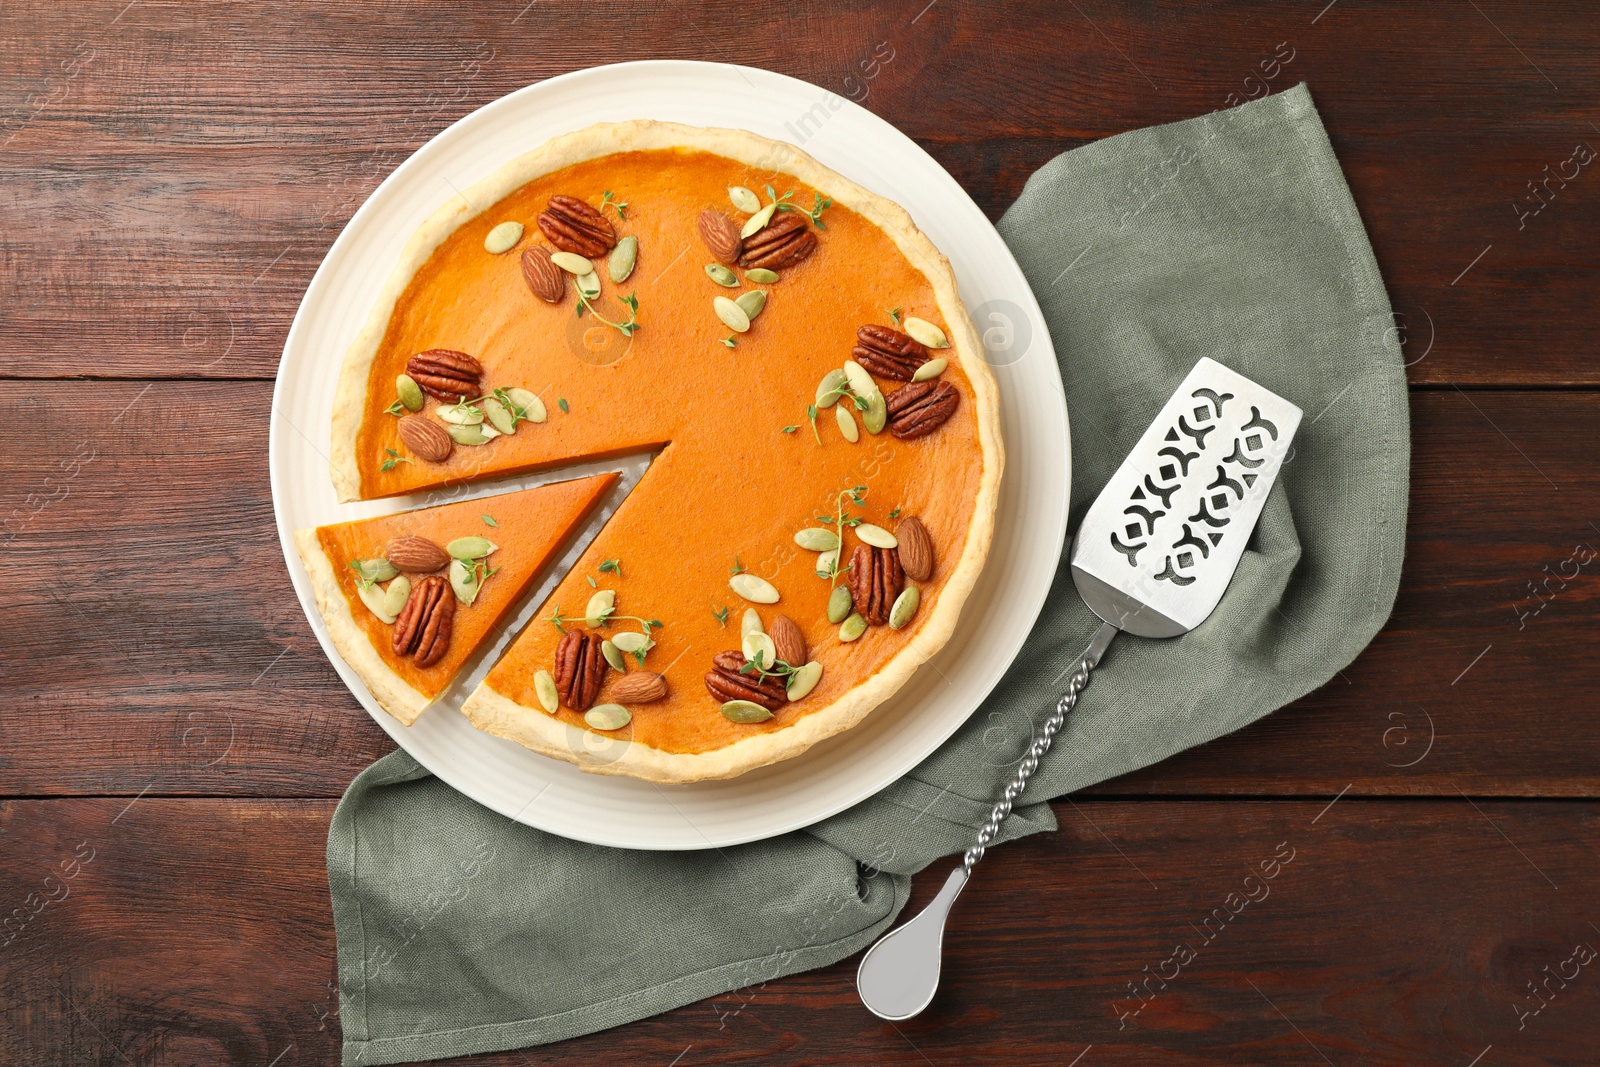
(580, 670)
(783, 242)
(876, 578)
(920, 408)
(720, 235)
(888, 353)
(726, 683)
(545, 280)
(574, 226)
(445, 375)
(422, 629)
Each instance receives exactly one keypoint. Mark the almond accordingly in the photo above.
(426, 438)
(916, 549)
(787, 639)
(720, 235)
(416, 555)
(639, 687)
(547, 281)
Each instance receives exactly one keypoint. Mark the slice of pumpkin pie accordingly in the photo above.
(408, 597)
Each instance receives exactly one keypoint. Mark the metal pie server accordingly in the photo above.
(1153, 557)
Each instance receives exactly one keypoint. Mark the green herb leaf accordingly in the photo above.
(894, 313)
(613, 566)
(822, 204)
(790, 429)
(592, 583)
(895, 514)
(737, 568)
(490, 519)
(722, 617)
(562, 404)
(730, 342)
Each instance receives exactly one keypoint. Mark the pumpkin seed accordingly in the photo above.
(839, 603)
(613, 655)
(464, 581)
(759, 649)
(497, 414)
(461, 414)
(751, 623)
(804, 680)
(761, 276)
(831, 388)
(816, 539)
(588, 284)
(877, 536)
(544, 684)
(744, 199)
(925, 332)
(722, 275)
(852, 628)
(876, 417)
(731, 314)
(532, 407)
(409, 392)
(758, 221)
(502, 238)
(376, 569)
(623, 257)
(608, 716)
(469, 435)
(600, 606)
(572, 263)
(489, 432)
(847, 422)
(931, 369)
(827, 563)
(374, 599)
(395, 597)
(754, 589)
(632, 642)
(470, 547)
(859, 379)
(905, 606)
(745, 711)
(751, 303)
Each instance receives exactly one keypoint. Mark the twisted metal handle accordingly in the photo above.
(1040, 745)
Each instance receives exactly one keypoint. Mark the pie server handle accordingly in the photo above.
(899, 975)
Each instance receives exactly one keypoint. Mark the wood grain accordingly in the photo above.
(174, 176)
(155, 641)
(1397, 933)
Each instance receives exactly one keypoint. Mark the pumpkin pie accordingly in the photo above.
(791, 352)
(407, 598)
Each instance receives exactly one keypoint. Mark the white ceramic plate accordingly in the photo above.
(1032, 521)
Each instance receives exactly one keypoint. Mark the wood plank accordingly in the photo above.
(175, 175)
(154, 641)
(1396, 933)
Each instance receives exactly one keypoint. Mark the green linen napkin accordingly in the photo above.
(1231, 236)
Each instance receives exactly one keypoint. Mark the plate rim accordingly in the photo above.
(676, 69)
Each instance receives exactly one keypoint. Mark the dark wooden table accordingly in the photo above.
(174, 740)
